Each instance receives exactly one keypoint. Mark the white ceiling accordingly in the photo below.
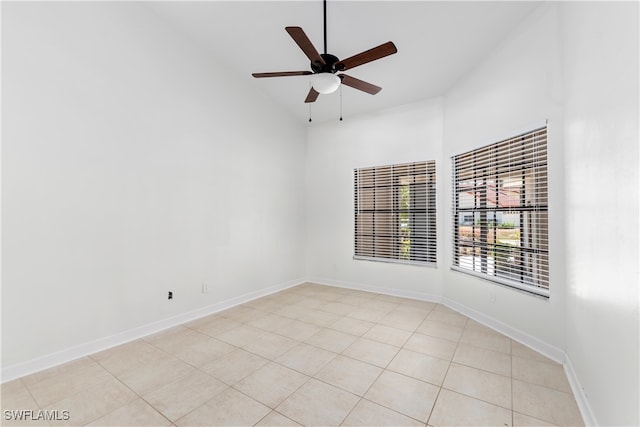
(438, 42)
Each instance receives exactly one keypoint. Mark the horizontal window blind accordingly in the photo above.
(500, 216)
(395, 212)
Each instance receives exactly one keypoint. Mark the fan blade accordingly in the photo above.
(305, 44)
(312, 96)
(377, 52)
(282, 74)
(359, 84)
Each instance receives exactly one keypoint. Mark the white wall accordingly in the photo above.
(131, 166)
(601, 45)
(405, 134)
(517, 85)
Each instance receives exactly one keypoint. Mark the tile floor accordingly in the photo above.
(310, 355)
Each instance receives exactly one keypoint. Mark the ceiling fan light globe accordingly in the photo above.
(325, 83)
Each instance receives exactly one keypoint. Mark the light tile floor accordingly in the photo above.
(309, 355)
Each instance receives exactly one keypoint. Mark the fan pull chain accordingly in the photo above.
(340, 101)
(310, 86)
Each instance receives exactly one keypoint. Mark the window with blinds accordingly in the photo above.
(500, 218)
(395, 213)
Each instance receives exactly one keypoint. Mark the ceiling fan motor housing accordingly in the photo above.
(329, 66)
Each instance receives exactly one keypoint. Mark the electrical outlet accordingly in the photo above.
(170, 295)
(205, 288)
(492, 296)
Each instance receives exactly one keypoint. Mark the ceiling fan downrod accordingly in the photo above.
(324, 7)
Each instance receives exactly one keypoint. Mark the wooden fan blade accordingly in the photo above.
(282, 74)
(312, 96)
(359, 84)
(377, 52)
(305, 44)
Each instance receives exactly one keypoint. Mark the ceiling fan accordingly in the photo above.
(324, 66)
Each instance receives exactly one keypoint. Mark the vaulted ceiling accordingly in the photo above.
(438, 43)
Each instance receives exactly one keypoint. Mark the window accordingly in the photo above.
(395, 213)
(500, 221)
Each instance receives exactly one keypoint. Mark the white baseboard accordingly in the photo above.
(19, 370)
(578, 392)
(550, 351)
(542, 347)
(45, 362)
(530, 341)
(422, 296)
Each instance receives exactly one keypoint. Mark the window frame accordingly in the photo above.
(523, 197)
(398, 222)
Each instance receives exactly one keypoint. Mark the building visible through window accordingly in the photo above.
(500, 212)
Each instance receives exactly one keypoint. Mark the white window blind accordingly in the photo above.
(395, 213)
(500, 217)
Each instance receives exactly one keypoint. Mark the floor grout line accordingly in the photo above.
(397, 316)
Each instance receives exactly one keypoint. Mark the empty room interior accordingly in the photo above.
(352, 213)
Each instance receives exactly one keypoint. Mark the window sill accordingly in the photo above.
(396, 261)
(531, 290)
